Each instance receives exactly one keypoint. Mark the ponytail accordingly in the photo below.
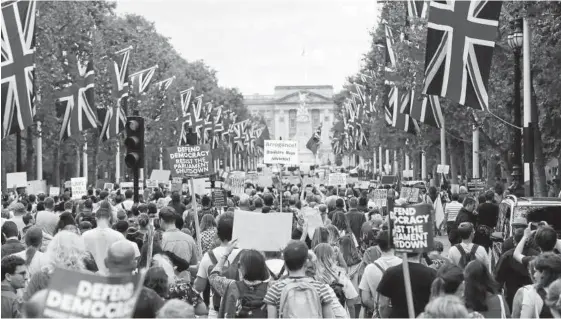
(29, 254)
(437, 288)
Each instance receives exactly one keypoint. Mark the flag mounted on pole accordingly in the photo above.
(314, 141)
(165, 84)
(141, 80)
(460, 41)
(18, 66)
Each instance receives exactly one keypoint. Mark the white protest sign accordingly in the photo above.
(236, 182)
(280, 152)
(337, 179)
(265, 180)
(36, 187)
(160, 175)
(263, 232)
(313, 218)
(151, 183)
(16, 179)
(442, 169)
(108, 186)
(200, 185)
(79, 187)
(124, 185)
(54, 191)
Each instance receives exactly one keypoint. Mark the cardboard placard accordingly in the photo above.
(96, 296)
(412, 228)
(411, 194)
(476, 185)
(263, 232)
(54, 191)
(280, 152)
(126, 185)
(160, 175)
(379, 197)
(16, 179)
(79, 187)
(109, 186)
(337, 179)
(151, 183)
(352, 180)
(219, 198)
(190, 161)
(36, 187)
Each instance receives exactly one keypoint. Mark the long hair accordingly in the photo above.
(67, 250)
(157, 280)
(446, 306)
(448, 279)
(333, 234)
(33, 243)
(207, 222)
(340, 221)
(254, 266)
(549, 264)
(349, 251)
(478, 283)
(326, 269)
(161, 260)
(321, 235)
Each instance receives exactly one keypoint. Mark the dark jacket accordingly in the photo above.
(10, 302)
(465, 216)
(356, 219)
(12, 246)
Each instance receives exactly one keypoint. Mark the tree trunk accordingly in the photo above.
(468, 161)
(95, 146)
(491, 171)
(539, 164)
(29, 151)
(56, 166)
(453, 162)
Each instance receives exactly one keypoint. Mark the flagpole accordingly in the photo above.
(395, 163)
(381, 162)
(118, 161)
(528, 121)
(39, 151)
(85, 160)
(475, 157)
(161, 159)
(443, 144)
(423, 165)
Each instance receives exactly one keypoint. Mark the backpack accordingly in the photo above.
(466, 258)
(274, 276)
(338, 289)
(246, 301)
(230, 272)
(386, 310)
(300, 299)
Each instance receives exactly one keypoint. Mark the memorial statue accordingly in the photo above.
(303, 115)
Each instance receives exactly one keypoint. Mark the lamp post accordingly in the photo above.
(515, 40)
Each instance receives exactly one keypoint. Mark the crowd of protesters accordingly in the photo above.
(346, 269)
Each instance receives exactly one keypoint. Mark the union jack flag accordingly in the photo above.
(217, 125)
(314, 141)
(114, 123)
(425, 109)
(18, 65)
(195, 120)
(141, 80)
(249, 141)
(185, 100)
(403, 121)
(77, 100)
(120, 73)
(417, 9)
(238, 135)
(165, 84)
(460, 41)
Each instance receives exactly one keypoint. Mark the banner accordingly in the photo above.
(412, 228)
(189, 161)
(280, 152)
(337, 179)
(73, 294)
(79, 187)
(160, 175)
(263, 232)
(16, 179)
(54, 191)
(36, 187)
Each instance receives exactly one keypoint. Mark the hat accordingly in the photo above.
(520, 221)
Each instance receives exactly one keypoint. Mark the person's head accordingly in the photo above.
(455, 197)
(225, 227)
(553, 299)
(321, 235)
(322, 209)
(33, 241)
(129, 193)
(67, 250)
(268, 199)
(489, 196)
(295, 255)
(258, 203)
(69, 205)
(167, 217)
(253, 266)
(143, 220)
(65, 219)
(205, 201)
(333, 234)
(466, 231)
(383, 241)
(120, 258)
(28, 219)
(478, 283)
(85, 226)
(207, 222)
(340, 203)
(469, 204)
(10, 229)
(121, 226)
(14, 271)
(157, 280)
(547, 269)
(49, 203)
(353, 202)
(103, 215)
(325, 263)
(546, 238)
(445, 306)
(175, 308)
(32, 198)
(449, 281)
(363, 201)
(340, 221)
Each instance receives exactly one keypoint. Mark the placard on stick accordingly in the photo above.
(190, 161)
(263, 232)
(337, 179)
(219, 198)
(79, 187)
(280, 152)
(18, 179)
(412, 228)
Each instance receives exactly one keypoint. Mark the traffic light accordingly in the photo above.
(191, 137)
(134, 142)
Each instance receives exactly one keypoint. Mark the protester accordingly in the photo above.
(12, 243)
(34, 258)
(208, 233)
(487, 217)
(14, 276)
(176, 309)
(547, 270)
(451, 211)
(482, 292)
(446, 306)
(174, 240)
(461, 254)
(355, 217)
(46, 219)
(553, 300)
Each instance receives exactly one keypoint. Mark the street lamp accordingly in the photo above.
(515, 40)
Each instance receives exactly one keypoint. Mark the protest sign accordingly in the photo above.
(236, 182)
(151, 183)
(312, 217)
(126, 185)
(364, 185)
(219, 198)
(252, 177)
(280, 152)
(36, 187)
(352, 180)
(190, 161)
(79, 187)
(74, 294)
(443, 169)
(263, 232)
(200, 185)
(337, 179)
(67, 184)
(54, 191)
(176, 187)
(412, 228)
(476, 185)
(411, 194)
(160, 175)
(379, 197)
(265, 180)
(109, 186)
(16, 179)
(388, 180)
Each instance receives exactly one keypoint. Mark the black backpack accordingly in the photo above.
(230, 272)
(338, 289)
(466, 258)
(250, 303)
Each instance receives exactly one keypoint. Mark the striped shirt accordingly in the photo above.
(274, 292)
(452, 210)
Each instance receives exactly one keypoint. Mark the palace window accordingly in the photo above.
(315, 118)
(292, 123)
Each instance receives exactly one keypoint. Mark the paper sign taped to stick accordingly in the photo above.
(160, 175)
(79, 187)
(280, 152)
(412, 228)
(36, 187)
(16, 179)
(96, 296)
(337, 179)
(109, 186)
(189, 161)
(263, 232)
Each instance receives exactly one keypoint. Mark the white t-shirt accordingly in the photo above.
(275, 265)
(39, 260)
(480, 254)
(372, 274)
(207, 262)
(98, 241)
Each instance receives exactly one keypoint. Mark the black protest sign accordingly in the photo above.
(190, 161)
(412, 228)
(219, 198)
(476, 185)
(74, 294)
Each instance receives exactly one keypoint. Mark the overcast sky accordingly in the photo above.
(258, 44)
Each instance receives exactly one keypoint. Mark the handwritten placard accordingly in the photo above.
(379, 197)
(79, 187)
(190, 160)
(219, 198)
(337, 179)
(280, 152)
(108, 186)
(412, 228)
